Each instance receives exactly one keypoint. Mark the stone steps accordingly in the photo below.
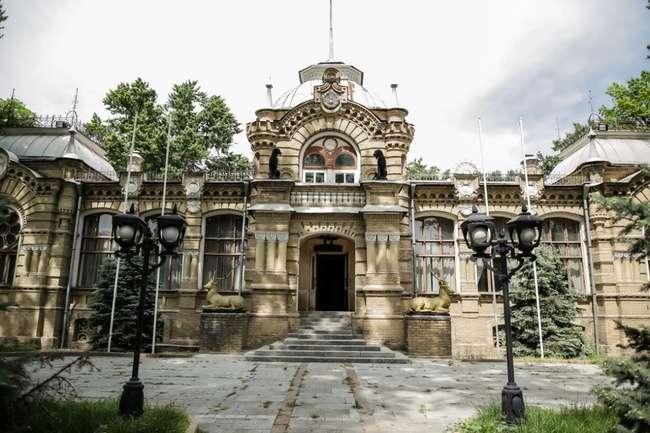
(325, 337)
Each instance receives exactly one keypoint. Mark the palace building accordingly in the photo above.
(314, 226)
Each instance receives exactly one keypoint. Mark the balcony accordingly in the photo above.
(327, 199)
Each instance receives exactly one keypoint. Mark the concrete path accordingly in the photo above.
(229, 394)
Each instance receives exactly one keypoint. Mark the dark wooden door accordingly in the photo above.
(331, 293)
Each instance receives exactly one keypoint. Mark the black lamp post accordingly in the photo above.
(133, 236)
(525, 231)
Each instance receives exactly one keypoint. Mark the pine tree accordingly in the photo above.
(630, 399)
(558, 304)
(126, 306)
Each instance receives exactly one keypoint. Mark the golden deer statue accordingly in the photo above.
(217, 301)
(438, 304)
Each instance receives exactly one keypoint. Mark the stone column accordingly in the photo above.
(36, 260)
(393, 250)
(382, 240)
(187, 258)
(281, 263)
(260, 238)
(194, 265)
(270, 251)
(371, 238)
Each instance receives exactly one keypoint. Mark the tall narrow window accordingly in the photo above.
(221, 251)
(9, 233)
(96, 247)
(171, 270)
(436, 253)
(564, 235)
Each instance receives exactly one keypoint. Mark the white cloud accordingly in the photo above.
(453, 60)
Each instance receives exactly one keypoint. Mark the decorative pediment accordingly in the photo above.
(331, 94)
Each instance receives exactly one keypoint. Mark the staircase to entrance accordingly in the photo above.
(326, 336)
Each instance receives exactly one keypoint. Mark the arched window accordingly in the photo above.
(314, 160)
(436, 253)
(221, 251)
(96, 247)
(330, 160)
(9, 233)
(344, 160)
(485, 280)
(564, 235)
(171, 270)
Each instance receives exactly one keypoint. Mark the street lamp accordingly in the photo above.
(525, 231)
(133, 236)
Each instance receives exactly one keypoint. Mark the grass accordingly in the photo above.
(102, 417)
(596, 419)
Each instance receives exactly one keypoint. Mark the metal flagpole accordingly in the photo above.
(331, 52)
(539, 314)
(126, 203)
(487, 212)
(162, 212)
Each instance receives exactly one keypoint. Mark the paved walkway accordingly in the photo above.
(229, 394)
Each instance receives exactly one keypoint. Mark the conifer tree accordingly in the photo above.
(126, 306)
(630, 399)
(558, 304)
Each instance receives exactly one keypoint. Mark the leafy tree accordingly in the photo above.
(126, 306)
(548, 162)
(558, 304)
(631, 101)
(630, 398)
(202, 126)
(3, 18)
(579, 130)
(14, 114)
(417, 169)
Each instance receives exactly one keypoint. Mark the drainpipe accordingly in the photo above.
(66, 306)
(242, 255)
(413, 242)
(590, 261)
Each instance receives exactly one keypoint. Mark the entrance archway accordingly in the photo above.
(326, 273)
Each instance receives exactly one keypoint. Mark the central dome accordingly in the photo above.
(312, 76)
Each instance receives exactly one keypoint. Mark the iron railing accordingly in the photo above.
(327, 199)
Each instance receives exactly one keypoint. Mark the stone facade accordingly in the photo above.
(324, 230)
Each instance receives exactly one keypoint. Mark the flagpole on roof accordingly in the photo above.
(487, 212)
(539, 314)
(162, 212)
(126, 203)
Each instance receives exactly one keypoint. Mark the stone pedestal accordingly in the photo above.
(428, 334)
(223, 331)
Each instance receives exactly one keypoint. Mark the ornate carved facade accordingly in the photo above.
(327, 232)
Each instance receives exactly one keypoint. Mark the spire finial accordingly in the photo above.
(331, 54)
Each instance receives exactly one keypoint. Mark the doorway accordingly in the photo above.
(330, 282)
(326, 278)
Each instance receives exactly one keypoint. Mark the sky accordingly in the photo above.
(453, 60)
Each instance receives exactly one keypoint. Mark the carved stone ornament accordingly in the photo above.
(4, 163)
(193, 189)
(466, 210)
(466, 189)
(330, 94)
(193, 205)
(533, 191)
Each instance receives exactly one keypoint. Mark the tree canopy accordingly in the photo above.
(417, 169)
(558, 305)
(14, 114)
(3, 18)
(631, 101)
(629, 398)
(630, 104)
(202, 127)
